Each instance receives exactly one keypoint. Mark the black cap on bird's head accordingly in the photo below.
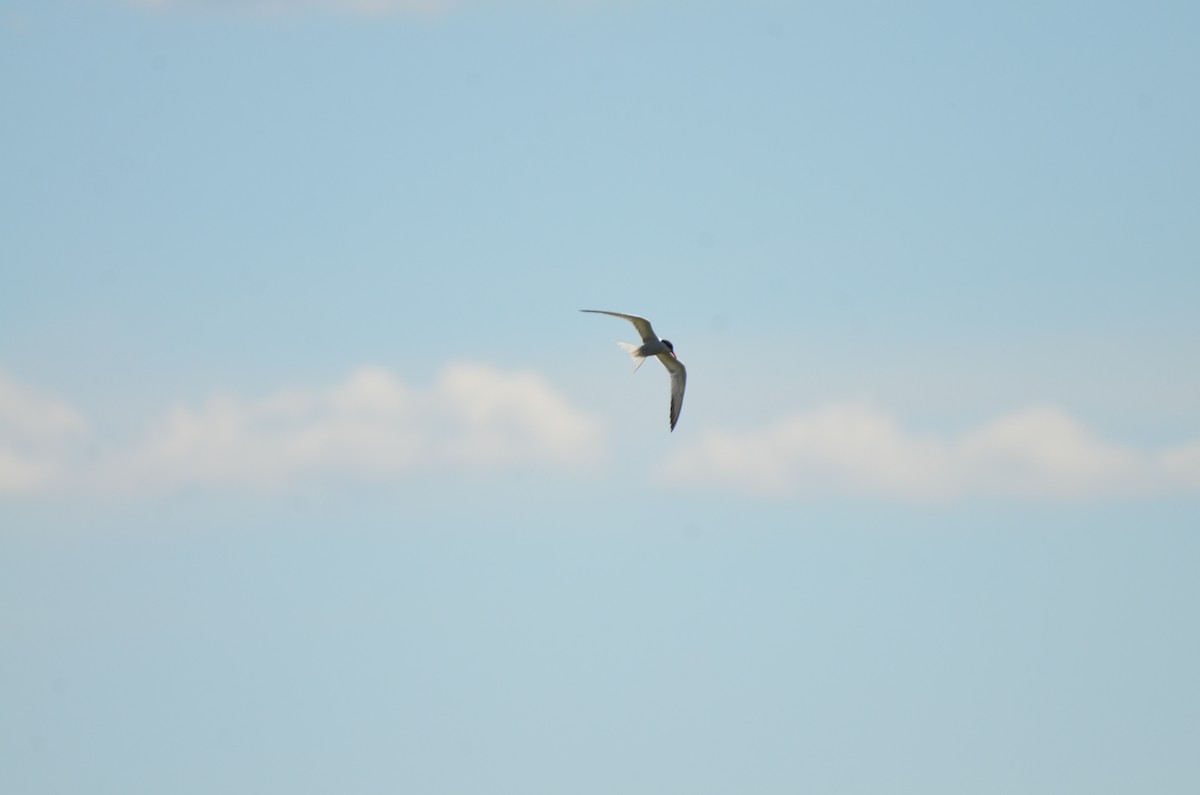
(670, 347)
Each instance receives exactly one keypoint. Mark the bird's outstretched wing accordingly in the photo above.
(640, 323)
(678, 382)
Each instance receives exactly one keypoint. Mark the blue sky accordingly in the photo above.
(312, 477)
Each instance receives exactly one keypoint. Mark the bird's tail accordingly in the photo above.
(634, 352)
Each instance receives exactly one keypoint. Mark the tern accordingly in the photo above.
(653, 346)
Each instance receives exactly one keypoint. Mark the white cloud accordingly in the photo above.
(855, 449)
(1181, 466)
(1043, 452)
(840, 448)
(372, 425)
(36, 431)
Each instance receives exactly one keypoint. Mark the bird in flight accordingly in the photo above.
(653, 346)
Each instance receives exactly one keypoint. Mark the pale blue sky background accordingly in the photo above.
(312, 478)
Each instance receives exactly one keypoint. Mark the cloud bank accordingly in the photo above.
(856, 449)
(37, 432)
(372, 425)
(473, 418)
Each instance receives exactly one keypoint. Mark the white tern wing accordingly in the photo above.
(678, 382)
(640, 323)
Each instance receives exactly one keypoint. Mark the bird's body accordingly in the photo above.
(663, 350)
